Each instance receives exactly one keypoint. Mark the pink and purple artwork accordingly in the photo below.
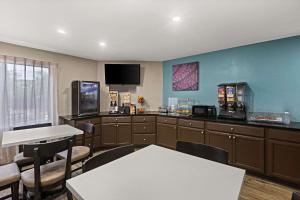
(186, 77)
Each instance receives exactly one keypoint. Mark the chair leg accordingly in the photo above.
(69, 195)
(24, 193)
(15, 191)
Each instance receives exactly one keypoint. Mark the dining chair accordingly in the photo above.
(48, 177)
(9, 178)
(83, 152)
(296, 196)
(106, 157)
(19, 158)
(203, 151)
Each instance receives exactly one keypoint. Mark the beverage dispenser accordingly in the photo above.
(232, 98)
(222, 97)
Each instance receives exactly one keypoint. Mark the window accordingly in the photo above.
(26, 92)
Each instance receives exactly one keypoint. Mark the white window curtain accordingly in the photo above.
(28, 95)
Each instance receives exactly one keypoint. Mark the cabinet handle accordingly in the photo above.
(229, 136)
(144, 139)
(190, 123)
(116, 119)
(232, 129)
(202, 132)
(233, 137)
(144, 119)
(117, 125)
(144, 127)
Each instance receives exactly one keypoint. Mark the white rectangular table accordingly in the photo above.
(157, 173)
(12, 138)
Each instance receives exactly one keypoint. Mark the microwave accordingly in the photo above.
(204, 111)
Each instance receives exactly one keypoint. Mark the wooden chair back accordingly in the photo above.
(203, 151)
(107, 157)
(89, 131)
(296, 196)
(43, 152)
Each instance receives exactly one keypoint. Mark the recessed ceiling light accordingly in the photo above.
(176, 18)
(61, 31)
(102, 44)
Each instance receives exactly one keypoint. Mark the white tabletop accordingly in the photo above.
(157, 173)
(12, 138)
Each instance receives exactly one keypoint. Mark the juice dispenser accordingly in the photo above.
(234, 99)
(222, 97)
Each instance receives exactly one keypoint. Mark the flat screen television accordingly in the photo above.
(85, 98)
(122, 74)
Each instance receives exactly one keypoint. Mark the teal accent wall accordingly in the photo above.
(272, 70)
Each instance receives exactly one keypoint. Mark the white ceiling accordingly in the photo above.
(143, 29)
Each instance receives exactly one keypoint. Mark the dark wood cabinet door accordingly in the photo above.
(283, 160)
(97, 142)
(97, 129)
(124, 133)
(249, 153)
(109, 134)
(220, 140)
(190, 134)
(166, 135)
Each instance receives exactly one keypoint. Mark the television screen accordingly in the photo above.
(89, 97)
(122, 74)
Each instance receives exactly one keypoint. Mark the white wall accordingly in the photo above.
(74, 68)
(69, 68)
(150, 87)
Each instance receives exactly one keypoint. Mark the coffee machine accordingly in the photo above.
(114, 102)
(232, 98)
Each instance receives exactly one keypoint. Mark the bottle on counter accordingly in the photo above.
(286, 118)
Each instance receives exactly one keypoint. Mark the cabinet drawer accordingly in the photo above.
(116, 119)
(191, 123)
(190, 134)
(167, 120)
(285, 135)
(144, 128)
(90, 120)
(238, 129)
(144, 139)
(143, 119)
(219, 127)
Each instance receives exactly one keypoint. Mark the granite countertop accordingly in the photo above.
(292, 125)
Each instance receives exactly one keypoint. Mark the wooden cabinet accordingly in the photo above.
(190, 134)
(144, 139)
(248, 153)
(116, 131)
(245, 144)
(109, 134)
(167, 135)
(283, 154)
(123, 133)
(191, 131)
(274, 152)
(144, 130)
(220, 140)
(97, 139)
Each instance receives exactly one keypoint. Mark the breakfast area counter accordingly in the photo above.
(291, 126)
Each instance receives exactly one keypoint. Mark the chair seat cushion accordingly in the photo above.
(78, 153)
(9, 174)
(23, 161)
(50, 173)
